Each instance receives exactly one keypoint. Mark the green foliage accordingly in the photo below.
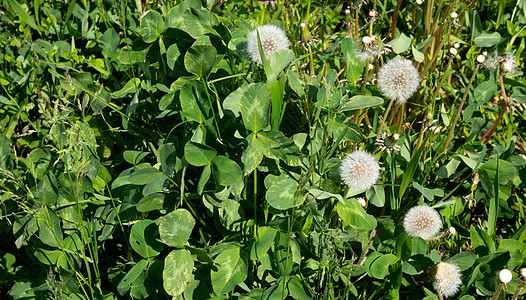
(144, 155)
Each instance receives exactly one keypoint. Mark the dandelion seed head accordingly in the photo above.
(481, 58)
(398, 80)
(359, 170)
(272, 38)
(447, 279)
(422, 221)
(505, 276)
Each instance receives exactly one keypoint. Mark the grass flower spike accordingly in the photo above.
(359, 170)
(422, 221)
(272, 38)
(447, 279)
(398, 79)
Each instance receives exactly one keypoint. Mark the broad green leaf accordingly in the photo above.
(231, 214)
(376, 195)
(253, 154)
(230, 269)
(128, 56)
(199, 22)
(280, 195)
(39, 161)
(151, 26)
(200, 59)
(463, 260)
(232, 101)
(101, 97)
(140, 177)
(131, 86)
(133, 274)
(49, 229)
(133, 156)
(380, 266)
(198, 154)
(353, 214)
(177, 272)
(400, 43)
(203, 179)
(476, 25)
(5, 151)
(506, 171)
(154, 201)
(419, 56)
(484, 91)
(320, 195)
(174, 17)
(175, 228)
(226, 171)
(280, 60)
(22, 13)
(360, 101)
(282, 254)
(298, 289)
(355, 66)
(172, 55)
(277, 146)
(143, 239)
(254, 106)
(429, 194)
(168, 159)
(194, 101)
(486, 39)
(263, 242)
(296, 83)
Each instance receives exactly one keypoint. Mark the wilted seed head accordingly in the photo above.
(506, 62)
(505, 276)
(398, 79)
(447, 279)
(522, 273)
(272, 38)
(359, 170)
(422, 221)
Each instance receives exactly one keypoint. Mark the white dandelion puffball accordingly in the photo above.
(505, 275)
(447, 279)
(422, 221)
(272, 39)
(359, 170)
(398, 79)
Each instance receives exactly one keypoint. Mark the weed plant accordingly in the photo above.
(262, 149)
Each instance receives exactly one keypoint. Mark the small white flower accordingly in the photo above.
(359, 170)
(454, 15)
(398, 79)
(452, 231)
(481, 58)
(447, 279)
(362, 201)
(505, 276)
(453, 51)
(422, 221)
(272, 38)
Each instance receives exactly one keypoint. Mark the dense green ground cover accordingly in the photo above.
(144, 154)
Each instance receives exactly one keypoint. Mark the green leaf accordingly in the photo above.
(297, 289)
(128, 56)
(484, 91)
(23, 15)
(253, 154)
(172, 54)
(429, 194)
(254, 106)
(199, 22)
(151, 26)
(167, 157)
(175, 228)
(463, 260)
(5, 151)
(361, 101)
(133, 274)
(49, 229)
(198, 154)
(277, 146)
(203, 179)
(232, 101)
(355, 66)
(380, 266)
(134, 157)
(486, 39)
(150, 202)
(174, 17)
(506, 171)
(419, 56)
(280, 195)
(39, 162)
(130, 87)
(194, 101)
(476, 25)
(376, 195)
(320, 195)
(226, 171)
(177, 272)
(143, 239)
(400, 44)
(231, 269)
(263, 242)
(279, 61)
(231, 214)
(353, 214)
(200, 59)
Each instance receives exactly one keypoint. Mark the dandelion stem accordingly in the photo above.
(384, 119)
(491, 130)
(497, 293)
(459, 110)
(395, 18)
